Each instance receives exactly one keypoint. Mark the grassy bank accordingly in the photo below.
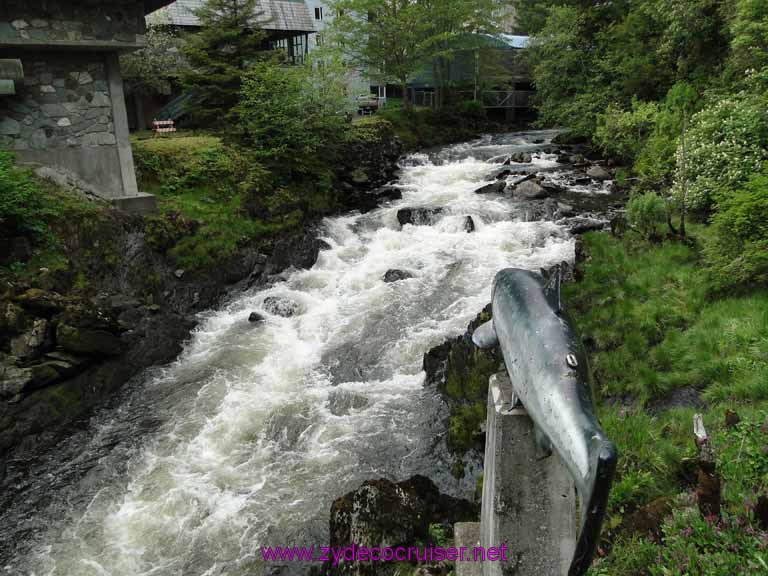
(662, 346)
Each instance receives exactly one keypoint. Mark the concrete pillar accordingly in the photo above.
(132, 200)
(529, 499)
(120, 120)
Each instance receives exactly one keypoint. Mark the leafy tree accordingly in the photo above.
(749, 35)
(727, 142)
(385, 37)
(561, 65)
(218, 55)
(738, 251)
(291, 121)
(393, 38)
(152, 69)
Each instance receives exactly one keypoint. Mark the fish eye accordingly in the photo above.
(571, 360)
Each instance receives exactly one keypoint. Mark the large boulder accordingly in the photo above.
(87, 340)
(396, 276)
(521, 157)
(530, 190)
(418, 216)
(492, 188)
(93, 332)
(599, 173)
(281, 306)
(583, 224)
(382, 513)
(255, 318)
(33, 342)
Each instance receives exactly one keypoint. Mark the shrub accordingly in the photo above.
(174, 165)
(20, 202)
(622, 133)
(727, 142)
(645, 212)
(738, 251)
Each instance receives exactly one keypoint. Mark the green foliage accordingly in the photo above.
(218, 55)
(294, 113)
(727, 142)
(737, 253)
(393, 38)
(749, 32)
(173, 165)
(671, 335)
(622, 134)
(742, 460)
(646, 212)
(560, 59)
(198, 181)
(21, 202)
(437, 535)
(152, 69)
(710, 546)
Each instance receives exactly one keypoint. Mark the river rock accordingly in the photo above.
(281, 306)
(469, 224)
(577, 160)
(521, 157)
(492, 188)
(13, 380)
(583, 224)
(94, 342)
(366, 201)
(382, 513)
(255, 318)
(418, 216)
(503, 173)
(530, 189)
(41, 302)
(33, 342)
(396, 276)
(599, 173)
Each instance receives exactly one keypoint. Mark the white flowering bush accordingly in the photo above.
(726, 143)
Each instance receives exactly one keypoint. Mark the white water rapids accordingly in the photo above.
(246, 439)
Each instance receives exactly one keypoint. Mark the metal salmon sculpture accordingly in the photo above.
(550, 377)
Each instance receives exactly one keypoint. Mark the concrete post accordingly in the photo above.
(120, 119)
(529, 500)
(132, 200)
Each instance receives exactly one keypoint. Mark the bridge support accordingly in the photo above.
(529, 500)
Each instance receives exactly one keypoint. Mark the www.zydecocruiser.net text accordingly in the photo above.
(334, 555)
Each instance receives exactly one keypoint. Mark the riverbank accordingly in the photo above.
(92, 296)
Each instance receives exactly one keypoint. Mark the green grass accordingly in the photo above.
(653, 325)
(647, 315)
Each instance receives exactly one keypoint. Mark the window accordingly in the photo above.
(319, 13)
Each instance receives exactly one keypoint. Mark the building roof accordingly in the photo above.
(283, 15)
(153, 5)
(514, 41)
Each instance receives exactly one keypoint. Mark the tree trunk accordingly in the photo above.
(407, 104)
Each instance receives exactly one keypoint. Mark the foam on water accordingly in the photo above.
(261, 427)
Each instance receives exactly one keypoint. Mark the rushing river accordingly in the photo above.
(250, 435)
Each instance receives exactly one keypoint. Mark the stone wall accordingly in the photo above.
(95, 23)
(63, 116)
(64, 101)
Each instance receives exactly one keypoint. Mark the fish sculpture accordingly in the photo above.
(550, 377)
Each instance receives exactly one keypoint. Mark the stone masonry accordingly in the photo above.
(68, 113)
(93, 23)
